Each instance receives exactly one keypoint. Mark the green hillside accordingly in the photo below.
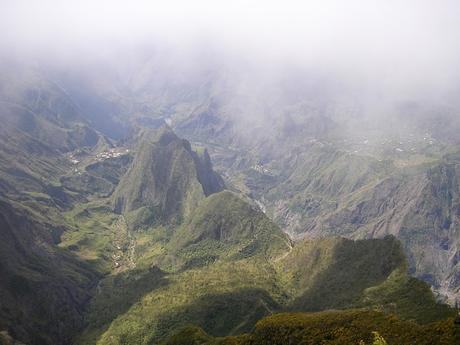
(44, 290)
(127, 242)
(228, 266)
(323, 189)
(330, 327)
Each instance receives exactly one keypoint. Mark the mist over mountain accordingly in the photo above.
(229, 173)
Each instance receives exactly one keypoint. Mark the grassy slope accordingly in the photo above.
(324, 190)
(349, 327)
(44, 288)
(229, 266)
(223, 268)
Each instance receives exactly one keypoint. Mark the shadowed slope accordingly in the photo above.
(43, 290)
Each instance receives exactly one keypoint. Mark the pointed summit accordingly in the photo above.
(166, 179)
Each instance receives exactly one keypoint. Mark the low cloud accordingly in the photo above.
(376, 51)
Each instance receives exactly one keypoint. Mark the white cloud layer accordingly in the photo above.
(400, 42)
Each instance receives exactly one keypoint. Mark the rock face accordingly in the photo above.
(332, 193)
(43, 291)
(422, 211)
(166, 179)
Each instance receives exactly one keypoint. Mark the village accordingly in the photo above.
(111, 153)
(80, 156)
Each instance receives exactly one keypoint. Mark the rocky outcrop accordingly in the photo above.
(420, 209)
(167, 178)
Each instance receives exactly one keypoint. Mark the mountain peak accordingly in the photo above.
(166, 179)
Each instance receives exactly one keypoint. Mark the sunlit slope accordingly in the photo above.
(328, 191)
(228, 265)
(331, 327)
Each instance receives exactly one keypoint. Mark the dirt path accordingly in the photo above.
(125, 243)
(131, 251)
(281, 257)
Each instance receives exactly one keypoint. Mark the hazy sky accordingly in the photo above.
(401, 42)
(379, 29)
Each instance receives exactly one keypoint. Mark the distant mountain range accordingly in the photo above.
(115, 230)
